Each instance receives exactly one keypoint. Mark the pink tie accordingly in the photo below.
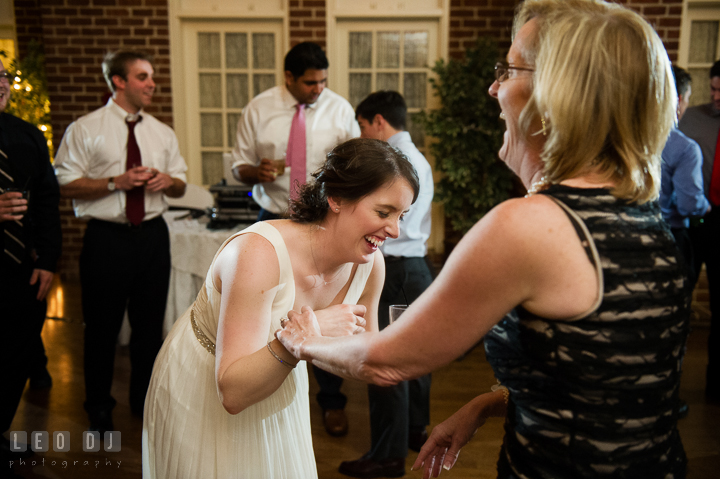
(296, 151)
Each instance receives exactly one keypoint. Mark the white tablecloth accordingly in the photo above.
(192, 249)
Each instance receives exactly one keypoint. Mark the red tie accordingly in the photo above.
(135, 200)
(715, 181)
(296, 151)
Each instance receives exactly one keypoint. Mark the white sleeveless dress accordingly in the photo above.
(186, 431)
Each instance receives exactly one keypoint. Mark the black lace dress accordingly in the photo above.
(595, 396)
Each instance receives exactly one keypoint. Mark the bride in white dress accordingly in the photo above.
(226, 399)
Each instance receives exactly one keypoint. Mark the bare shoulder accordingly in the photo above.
(521, 225)
(250, 256)
(532, 243)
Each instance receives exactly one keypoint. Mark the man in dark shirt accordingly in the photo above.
(29, 248)
(702, 124)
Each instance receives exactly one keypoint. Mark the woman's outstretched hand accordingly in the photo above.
(297, 329)
(342, 320)
(442, 448)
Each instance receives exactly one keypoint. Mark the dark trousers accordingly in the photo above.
(123, 267)
(21, 319)
(705, 239)
(684, 244)
(405, 407)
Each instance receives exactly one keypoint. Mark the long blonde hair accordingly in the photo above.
(604, 88)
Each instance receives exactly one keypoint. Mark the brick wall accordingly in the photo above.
(470, 19)
(307, 22)
(76, 35)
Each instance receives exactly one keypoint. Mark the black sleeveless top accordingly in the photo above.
(596, 397)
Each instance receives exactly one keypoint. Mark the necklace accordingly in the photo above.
(322, 277)
(538, 185)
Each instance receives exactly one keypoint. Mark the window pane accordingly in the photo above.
(415, 88)
(360, 87)
(237, 90)
(703, 41)
(211, 129)
(388, 50)
(236, 50)
(416, 49)
(388, 81)
(210, 90)
(262, 82)
(360, 49)
(700, 85)
(232, 123)
(209, 50)
(417, 134)
(263, 50)
(212, 167)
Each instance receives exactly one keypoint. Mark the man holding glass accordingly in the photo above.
(398, 414)
(29, 249)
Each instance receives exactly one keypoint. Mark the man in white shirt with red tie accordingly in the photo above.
(117, 164)
(296, 123)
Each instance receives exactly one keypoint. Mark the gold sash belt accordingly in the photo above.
(204, 341)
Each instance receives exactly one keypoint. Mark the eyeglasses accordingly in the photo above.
(502, 69)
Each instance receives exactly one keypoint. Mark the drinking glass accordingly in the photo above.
(396, 310)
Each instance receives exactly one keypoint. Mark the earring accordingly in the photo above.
(337, 209)
(542, 121)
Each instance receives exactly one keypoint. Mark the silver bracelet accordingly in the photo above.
(282, 361)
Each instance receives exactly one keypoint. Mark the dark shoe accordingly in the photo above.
(8, 454)
(417, 439)
(365, 467)
(335, 421)
(101, 421)
(712, 395)
(41, 379)
(683, 410)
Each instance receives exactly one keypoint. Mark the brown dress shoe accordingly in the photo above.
(335, 421)
(366, 467)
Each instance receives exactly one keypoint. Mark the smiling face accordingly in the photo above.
(307, 88)
(4, 89)
(513, 94)
(374, 218)
(137, 91)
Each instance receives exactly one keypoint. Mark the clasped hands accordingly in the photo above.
(153, 180)
(334, 321)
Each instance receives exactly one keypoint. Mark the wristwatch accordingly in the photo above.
(111, 183)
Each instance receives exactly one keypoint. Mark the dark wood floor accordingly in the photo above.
(60, 409)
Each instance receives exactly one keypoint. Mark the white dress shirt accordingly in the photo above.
(415, 227)
(95, 146)
(264, 129)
